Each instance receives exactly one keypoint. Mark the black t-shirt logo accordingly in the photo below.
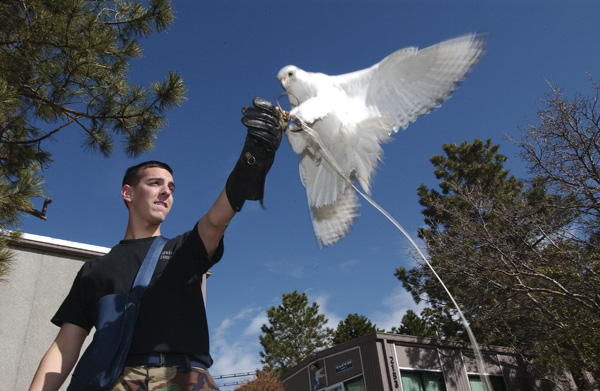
(166, 254)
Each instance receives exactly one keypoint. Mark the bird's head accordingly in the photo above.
(287, 76)
(297, 83)
(293, 79)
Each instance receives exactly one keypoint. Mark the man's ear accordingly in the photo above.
(127, 194)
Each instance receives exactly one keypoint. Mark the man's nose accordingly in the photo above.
(166, 190)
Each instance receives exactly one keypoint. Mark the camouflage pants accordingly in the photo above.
(165, 379)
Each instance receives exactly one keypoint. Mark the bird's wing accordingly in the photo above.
(411, 82)
(331, 221)
(391, 94)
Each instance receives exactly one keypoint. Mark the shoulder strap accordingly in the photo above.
(148, 265)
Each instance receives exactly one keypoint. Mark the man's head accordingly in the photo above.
(148, 191)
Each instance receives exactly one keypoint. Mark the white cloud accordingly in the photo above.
(322, 299)
(297, 272)
(254, 328)
(225, 324)
(349, 265)
(246, 312)
(396, 304)
(295, 268)
(235, 345)
(235, 356)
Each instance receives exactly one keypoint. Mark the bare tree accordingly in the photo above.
(563, 150)
(507, 252)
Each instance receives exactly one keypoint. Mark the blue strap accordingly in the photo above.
(142, 279)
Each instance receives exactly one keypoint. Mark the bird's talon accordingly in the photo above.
(284, 116)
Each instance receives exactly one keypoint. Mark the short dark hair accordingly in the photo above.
(134, 173)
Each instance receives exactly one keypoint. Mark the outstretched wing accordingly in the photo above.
(411, 82)
(391, 94)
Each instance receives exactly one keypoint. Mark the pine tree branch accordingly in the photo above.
(39, 214)
(42, 138)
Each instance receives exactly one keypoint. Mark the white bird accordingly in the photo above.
(353, 113)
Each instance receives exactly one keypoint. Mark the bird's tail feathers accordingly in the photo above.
(333, 222)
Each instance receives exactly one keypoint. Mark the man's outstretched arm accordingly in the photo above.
(247, 180)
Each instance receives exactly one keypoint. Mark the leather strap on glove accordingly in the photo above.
(247, 180)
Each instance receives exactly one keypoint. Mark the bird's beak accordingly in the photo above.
(283, 81)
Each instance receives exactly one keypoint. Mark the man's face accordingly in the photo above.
(151, 199)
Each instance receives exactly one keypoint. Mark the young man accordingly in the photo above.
(170, 342)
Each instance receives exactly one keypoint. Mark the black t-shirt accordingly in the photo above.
(172, 317)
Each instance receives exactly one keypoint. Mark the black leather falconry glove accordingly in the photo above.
(247, 180)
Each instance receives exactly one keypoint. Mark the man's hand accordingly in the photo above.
(247, 180)
(263, 124)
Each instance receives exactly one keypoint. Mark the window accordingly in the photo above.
(356, 384)
(496, 381)
(422, 381)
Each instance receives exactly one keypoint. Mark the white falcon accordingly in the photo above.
(353, 113)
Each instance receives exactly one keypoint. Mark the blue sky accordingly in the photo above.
(230, 51)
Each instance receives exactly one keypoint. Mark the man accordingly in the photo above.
(170, 342)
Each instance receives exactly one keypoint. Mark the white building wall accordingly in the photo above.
(40, 278)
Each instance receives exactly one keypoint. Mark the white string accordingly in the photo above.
(334, 165)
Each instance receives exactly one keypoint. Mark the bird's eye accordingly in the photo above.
(290, 73)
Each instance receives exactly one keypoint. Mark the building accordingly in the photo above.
(392, 362)
(40, 277)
